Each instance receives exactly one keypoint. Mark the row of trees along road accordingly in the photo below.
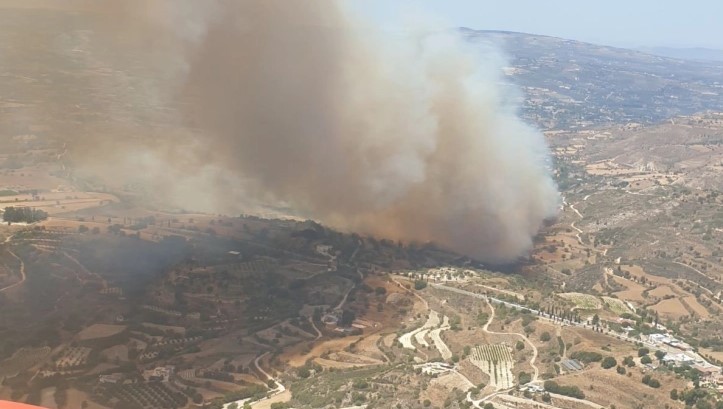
(23, 214)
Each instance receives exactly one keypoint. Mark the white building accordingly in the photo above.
(678, 359)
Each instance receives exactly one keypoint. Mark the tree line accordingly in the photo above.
(23, 214)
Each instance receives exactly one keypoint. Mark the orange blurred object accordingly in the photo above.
(14, 405)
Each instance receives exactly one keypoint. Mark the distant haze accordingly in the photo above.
(694, 53)
(628, 24)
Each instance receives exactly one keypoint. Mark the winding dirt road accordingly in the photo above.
(318, 332)
(22, 272)
(536, 370)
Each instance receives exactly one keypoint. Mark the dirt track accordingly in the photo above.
(22, 273)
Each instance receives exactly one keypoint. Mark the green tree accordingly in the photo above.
(703, 404)
(608, 362)
(303, 372)
(645, 360)
(595, 319)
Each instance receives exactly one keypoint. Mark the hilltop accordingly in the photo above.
(571, 84)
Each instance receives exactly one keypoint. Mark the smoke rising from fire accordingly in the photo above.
(409, 136)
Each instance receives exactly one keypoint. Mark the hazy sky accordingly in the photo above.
(625, 23)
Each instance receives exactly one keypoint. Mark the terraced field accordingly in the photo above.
(23, 359)
(496, 361)
(615, 305)
(439, 343)
(583, 301)
(406, 339)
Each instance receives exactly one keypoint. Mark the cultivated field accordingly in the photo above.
(496, 361)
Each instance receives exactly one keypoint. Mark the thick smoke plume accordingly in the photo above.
(411, 137)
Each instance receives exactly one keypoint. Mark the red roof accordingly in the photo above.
(14, 405)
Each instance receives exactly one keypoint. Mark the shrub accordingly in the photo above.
(586, 356)
(572, 391)
(608, 362)
(303, 372)
(650, 381)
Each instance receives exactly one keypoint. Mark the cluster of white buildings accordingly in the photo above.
(666, 339)
(679, 353)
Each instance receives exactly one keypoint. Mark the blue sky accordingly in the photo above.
(624, 23)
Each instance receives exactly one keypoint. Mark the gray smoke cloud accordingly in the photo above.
(408, 136)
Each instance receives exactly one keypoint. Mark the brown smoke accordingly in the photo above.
(409, 137)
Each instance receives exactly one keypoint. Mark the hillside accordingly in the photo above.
(571, 84)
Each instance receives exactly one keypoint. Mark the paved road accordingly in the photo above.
(544, 316)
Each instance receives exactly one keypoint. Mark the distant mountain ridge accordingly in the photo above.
(686, 53)
(569, 84)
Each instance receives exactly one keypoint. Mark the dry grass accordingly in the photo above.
(280, 398)
(100, 331)
(715, 354)
(368, 347)
(328, 363)
(174, 329)
(696, 306)
(119, 352)
(295, 357)
(76, 399)
(634, 290)
(662, 291)
(610, 388)
(671, 308)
